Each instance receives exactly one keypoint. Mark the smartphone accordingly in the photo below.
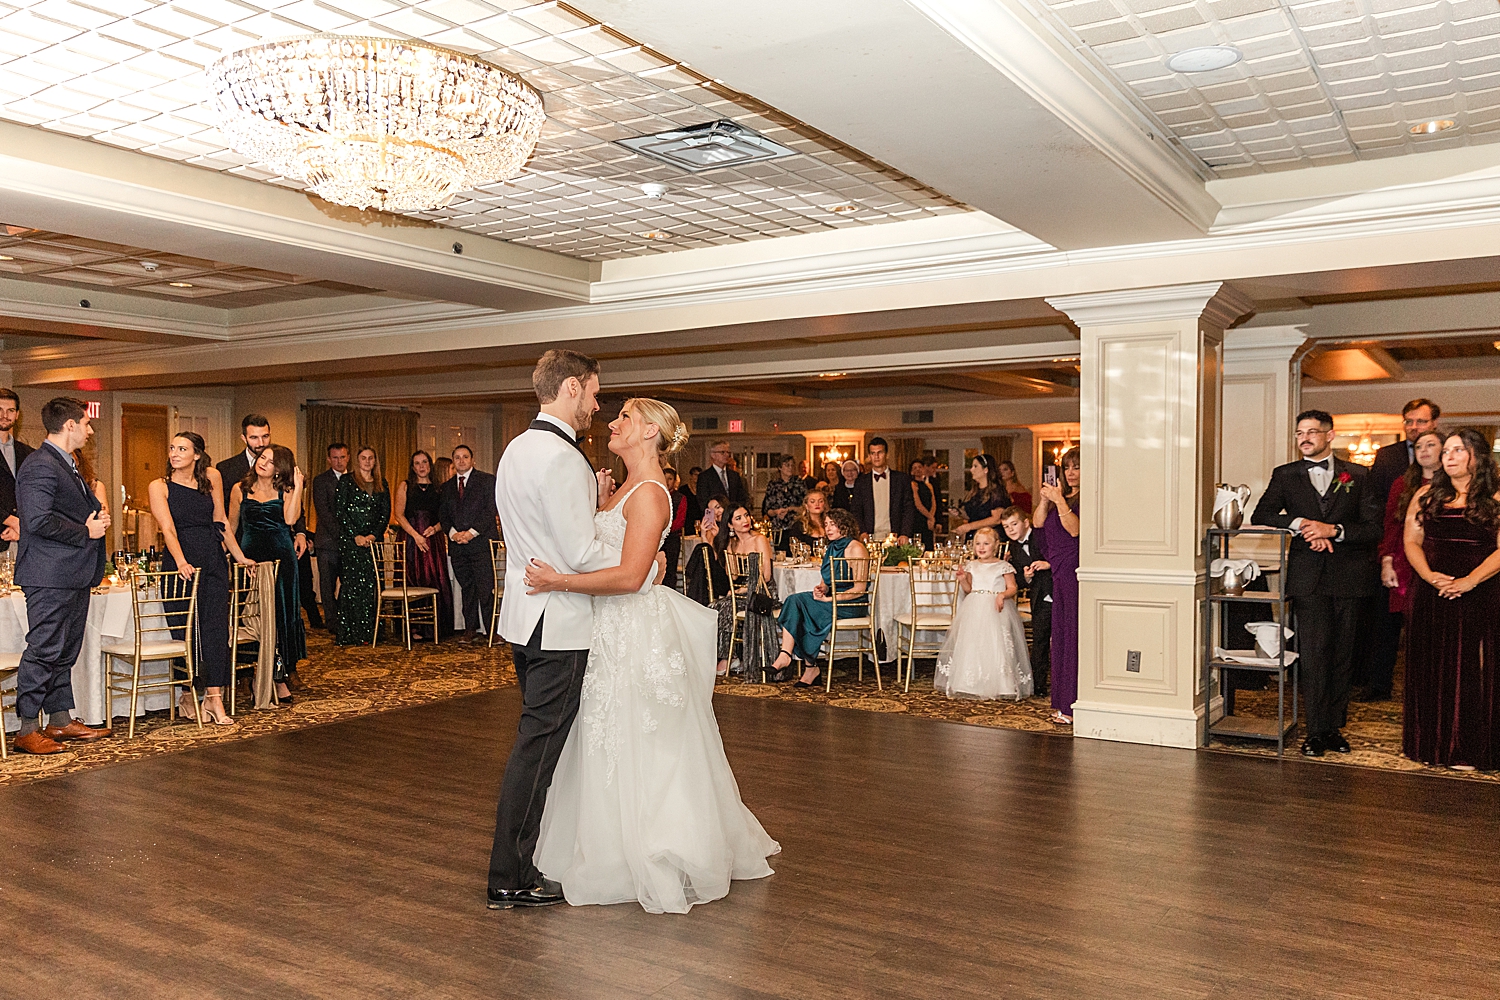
(1049, 475)
(710, 518)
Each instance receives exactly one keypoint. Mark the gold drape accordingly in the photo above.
(998, 446)
(905, 451)
(392, 433)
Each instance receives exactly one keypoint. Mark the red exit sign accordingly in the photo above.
(91, 409)
(736, 427)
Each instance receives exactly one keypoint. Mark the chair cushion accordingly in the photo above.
(149, 650)
(10, 661)
(409, 592)
(925, 621)
(853, 623)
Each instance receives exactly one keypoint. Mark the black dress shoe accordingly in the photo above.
(1335, 741)
(1313, 746)
(541, 895)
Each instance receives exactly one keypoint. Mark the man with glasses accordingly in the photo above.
(719, 480)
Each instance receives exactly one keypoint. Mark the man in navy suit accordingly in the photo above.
(61, 557)
(1331, 570)
(466, 511)
(12, 453)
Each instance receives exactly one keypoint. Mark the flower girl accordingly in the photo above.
(985, 653)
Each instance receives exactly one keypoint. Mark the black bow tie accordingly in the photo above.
(879, 476)
(1326, 464)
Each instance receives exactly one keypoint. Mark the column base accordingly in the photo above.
(1164, 727)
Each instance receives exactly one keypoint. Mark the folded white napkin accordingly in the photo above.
(1268, 637)
(1248, 569)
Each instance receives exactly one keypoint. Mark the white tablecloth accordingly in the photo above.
(892, 599)
(109, 617)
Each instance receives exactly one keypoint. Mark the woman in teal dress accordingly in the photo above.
(807, 618)
(363, 502)
(265, 506)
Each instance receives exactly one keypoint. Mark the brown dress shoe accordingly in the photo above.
(35, 742)
(76, 730)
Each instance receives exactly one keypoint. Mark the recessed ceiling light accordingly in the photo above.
(1428, 128)
(3, 257)
(180, 284)
(1203, 59)
(847, 208)
(654, 191)
(832, 374)
(656, 234)
(150, 265)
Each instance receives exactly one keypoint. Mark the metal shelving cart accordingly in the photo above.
(1215, 621)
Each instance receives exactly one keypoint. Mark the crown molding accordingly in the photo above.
(1215, 303)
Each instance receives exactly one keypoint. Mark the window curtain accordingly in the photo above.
(905, 451)
(997, 446)
(392, 433)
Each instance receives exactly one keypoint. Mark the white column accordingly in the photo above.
(1150, 409)
(1262, 393)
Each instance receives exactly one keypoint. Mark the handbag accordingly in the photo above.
(760, 603)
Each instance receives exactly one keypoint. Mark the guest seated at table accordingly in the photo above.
(760, 638)
(807, 618)
(843, 490)
(808, 527)
(188, 505)
(982, 505)
(984, 654)
(704, 573)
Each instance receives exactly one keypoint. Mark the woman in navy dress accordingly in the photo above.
(807, 618)
(266, 505)
(188, 505)
(1056, 516)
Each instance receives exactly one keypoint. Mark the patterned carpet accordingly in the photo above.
(348, 682)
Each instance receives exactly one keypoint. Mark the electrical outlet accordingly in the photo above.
(1133, 661)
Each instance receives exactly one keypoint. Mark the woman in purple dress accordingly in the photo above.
(426, 549)
(1453, 637)
(1056, 516)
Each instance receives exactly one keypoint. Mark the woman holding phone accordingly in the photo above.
(1056, 517)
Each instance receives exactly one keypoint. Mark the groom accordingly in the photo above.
(546, 493)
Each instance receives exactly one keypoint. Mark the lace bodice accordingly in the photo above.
(609, 525)
(989, 578)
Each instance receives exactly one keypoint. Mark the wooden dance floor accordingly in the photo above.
(920, 859)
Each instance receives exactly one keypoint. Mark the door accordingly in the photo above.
(143, 446)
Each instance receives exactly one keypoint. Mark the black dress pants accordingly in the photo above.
(328, 580)
(475, 572)
(305, 595)
(1327, 633)
(672, 548)
(56, 618)
(551, 683)
(1041, 646)
(1386, 646)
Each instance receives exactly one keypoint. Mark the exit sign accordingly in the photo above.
(91, 409)
(736, 427)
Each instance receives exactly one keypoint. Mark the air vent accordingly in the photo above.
(916, 416)
(705, 423)
(707, 147)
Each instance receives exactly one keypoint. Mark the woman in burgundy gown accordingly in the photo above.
(1056, 516)
(1453, 639)
(426, 548)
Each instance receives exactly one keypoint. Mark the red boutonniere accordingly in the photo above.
(1344, 482)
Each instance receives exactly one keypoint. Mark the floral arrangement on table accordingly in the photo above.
(902, 555)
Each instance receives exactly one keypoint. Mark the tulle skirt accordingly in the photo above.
(984, 655)
(643, 806)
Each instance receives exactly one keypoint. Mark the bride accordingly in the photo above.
(643, 805)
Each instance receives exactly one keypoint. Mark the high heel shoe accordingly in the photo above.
(185, 708)
(218, 717)
(812, 683)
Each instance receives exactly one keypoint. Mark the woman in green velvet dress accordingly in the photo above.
(363, 503)
(265, 506)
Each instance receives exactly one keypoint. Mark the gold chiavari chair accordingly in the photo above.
(738, 568)
(860, 628)
(934, 600)
(390, 576)
(250, 588)
(162, 603)
(10, 665)
(497, 559)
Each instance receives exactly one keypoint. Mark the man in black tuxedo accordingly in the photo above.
(325, 486)
(1331, 572)
(12, 453)
(883, 502)
(1034, 577)
(255, 431)
(1391, 463)
(719, 480)
(467, 513)
(61, 556)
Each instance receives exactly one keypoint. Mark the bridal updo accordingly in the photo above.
(672, 432)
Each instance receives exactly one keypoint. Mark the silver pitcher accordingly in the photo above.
(1229, 511)
(1233, 581)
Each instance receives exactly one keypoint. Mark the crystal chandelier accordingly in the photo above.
(374, 122)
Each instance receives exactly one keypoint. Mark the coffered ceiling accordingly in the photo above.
(129, 73)
(1321, 81)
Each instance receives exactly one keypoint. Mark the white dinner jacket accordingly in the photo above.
(546, 494)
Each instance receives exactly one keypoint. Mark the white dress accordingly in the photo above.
(984, 655)
(643, 805)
